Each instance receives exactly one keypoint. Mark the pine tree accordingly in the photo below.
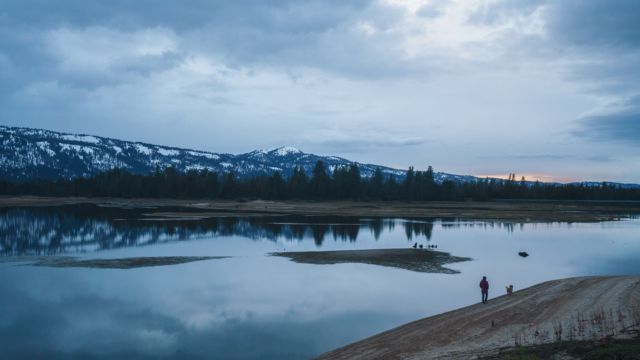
(376, 185)
(409, 183)
(297, 184)
(228, 189)
(354, 189)
(320, 182)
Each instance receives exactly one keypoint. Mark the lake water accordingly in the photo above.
(253, 305)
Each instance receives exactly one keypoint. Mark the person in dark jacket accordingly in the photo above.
(484, 287)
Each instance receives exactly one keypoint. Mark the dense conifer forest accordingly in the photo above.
(344, 183)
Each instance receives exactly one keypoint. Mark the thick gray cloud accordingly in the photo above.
(595, 23)
(600, 40)
(615, 126)
(621, 126)
(186, 15)
(600, 43)
(397, 82)
(280, 33)
(573, 22)
(619, 122)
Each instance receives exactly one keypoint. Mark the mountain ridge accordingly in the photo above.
(30, 153)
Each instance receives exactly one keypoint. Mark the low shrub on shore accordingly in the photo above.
(588, 350)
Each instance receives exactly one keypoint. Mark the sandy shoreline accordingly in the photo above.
(508, 211)
(583, 308)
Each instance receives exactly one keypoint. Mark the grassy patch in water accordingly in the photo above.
(420, 260)
(121, 263)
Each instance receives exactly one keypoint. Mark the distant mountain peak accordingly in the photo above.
(279, 151)
(27, 154)
(33, 153)
(286, 150)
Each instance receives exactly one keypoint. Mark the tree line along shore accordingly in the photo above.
(343, 183)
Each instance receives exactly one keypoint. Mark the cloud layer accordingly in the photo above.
(447, 83)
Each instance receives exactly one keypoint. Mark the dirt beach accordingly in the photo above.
(421, 260)
(508, 211)
(584, 308)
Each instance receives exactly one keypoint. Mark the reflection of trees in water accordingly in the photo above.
(82, 228)
(33, 231)
(376, 227)
(318, 233)
(345, 232)
(508, 226)
(418, 229)
(70, 229)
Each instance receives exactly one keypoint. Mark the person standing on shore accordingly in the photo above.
(484, 287)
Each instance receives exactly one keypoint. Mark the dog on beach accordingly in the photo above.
(509, 290)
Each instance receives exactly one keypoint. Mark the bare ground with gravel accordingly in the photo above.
(584, 308)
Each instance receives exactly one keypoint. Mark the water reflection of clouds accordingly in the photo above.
(257, 306)
(142, 314)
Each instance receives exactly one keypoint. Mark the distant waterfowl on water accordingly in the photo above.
(523, 253)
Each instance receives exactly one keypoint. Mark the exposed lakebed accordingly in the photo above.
(123, 263)
(251, 304)
(420, 260)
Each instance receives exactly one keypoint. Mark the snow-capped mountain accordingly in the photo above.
(42, 154)
(28, 154)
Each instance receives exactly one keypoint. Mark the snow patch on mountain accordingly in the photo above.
(168, 152)
(287, 150)
(44, 145)
(143, 149)
(77, 149)
(203, 154)
(81, 138)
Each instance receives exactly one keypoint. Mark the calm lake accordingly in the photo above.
(252, 305)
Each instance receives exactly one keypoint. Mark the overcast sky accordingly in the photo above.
(540, 88)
